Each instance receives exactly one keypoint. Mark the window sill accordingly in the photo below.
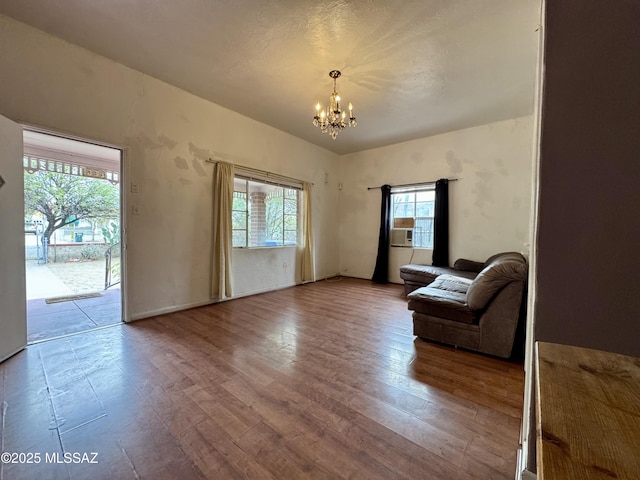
(265, 247)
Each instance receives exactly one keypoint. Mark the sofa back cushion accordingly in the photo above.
(493, 278)
(466, 265)
(503, 256)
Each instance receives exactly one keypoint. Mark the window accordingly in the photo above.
(264, 214)
(418, 203)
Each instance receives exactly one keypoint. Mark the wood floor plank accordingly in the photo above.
(217, 456)
(399, 454)
(321, 381)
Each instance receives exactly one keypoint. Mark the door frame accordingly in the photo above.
(124, 175)
(12, 273)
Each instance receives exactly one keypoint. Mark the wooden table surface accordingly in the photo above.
(588, 413)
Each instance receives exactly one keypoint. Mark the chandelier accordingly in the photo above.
(333, 119)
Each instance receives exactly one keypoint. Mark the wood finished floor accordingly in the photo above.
(316, 381)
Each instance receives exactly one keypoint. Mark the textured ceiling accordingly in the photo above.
(410, 68)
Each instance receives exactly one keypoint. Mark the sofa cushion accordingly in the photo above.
(445, 298)
(492, 279)
(425, 274)
(421, 273)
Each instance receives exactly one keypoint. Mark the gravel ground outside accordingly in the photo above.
(71, 277)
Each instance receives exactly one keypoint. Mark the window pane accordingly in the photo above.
(290, 205)
(403, 210)
(404, 197)
(276, 237)
(290, 222)
(239, 214)
(274, 217)
(264, 212)
(419, 206)
(239, 201)
(429, 196)
(423, 233)
(424, 209)
(239, 220)
(290, 237)
(239, 238)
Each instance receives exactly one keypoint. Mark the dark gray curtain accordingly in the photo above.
(441, 225)
(381, 272)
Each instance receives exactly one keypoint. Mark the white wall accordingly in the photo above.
(167, 135)
(489, 204)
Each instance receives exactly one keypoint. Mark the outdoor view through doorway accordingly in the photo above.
(72, 235)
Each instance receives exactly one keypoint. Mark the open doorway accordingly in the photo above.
(72, 235)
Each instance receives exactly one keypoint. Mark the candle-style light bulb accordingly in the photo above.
(318, 107)
(350, 109)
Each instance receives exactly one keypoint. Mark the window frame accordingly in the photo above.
(285, 190)
(244, 211)
(415, 189)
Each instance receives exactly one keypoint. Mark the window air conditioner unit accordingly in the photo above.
(401, 237)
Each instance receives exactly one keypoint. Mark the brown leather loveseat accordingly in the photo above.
(479, 313)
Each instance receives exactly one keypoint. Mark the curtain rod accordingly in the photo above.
(262, 172)
(413, 184)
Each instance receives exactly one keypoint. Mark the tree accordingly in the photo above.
(281, 215)
(63, 199)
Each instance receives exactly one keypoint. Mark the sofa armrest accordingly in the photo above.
(468, 265)
(492, 279)
(499, 322)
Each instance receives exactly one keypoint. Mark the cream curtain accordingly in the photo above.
(308, 266)
(222, 246)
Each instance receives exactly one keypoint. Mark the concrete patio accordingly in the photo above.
(50, 320)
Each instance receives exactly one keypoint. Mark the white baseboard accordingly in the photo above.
(328, 275)
(187, 306)
(173, 308)
(262, 290)
(346, 275)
